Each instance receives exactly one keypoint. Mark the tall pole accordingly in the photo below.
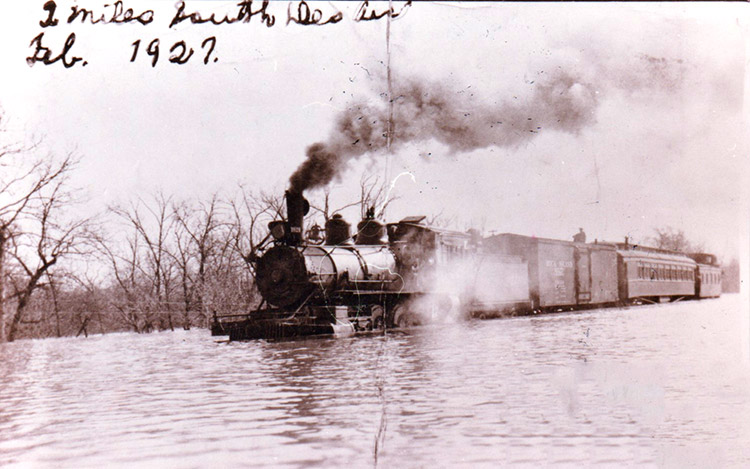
(389, 124)
(389, 128)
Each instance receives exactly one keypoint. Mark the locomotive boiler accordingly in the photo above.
(289, 276)
(295, 273)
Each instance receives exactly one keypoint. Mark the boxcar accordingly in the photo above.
(654, 275)
(563, 273)
(596, 272)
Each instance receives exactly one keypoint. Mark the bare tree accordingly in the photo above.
(34, 231)
(440, 220)
(671, 240)
(53, 289)
(324, 207)
(88, 294)
(375, 194)
(251, 211)
(125, 268)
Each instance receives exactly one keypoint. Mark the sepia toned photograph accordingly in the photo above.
(395, 234)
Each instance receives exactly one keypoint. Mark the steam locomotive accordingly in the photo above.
(401, 274)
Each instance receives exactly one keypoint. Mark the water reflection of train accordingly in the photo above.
(405, 273)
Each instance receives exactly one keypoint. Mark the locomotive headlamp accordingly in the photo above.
(278, 229)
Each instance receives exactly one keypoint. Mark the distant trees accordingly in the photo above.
(208, 251)
(174, 263)
(140, 263)
(674, 240)
(198, 250)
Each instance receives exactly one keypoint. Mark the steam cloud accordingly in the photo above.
(424, 111)
(477, 285)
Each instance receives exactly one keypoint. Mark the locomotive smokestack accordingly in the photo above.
(296, 209)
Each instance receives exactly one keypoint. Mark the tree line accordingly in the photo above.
(153, 263)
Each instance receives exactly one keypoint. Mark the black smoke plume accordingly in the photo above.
(424, 111)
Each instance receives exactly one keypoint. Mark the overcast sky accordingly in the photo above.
(618, 118)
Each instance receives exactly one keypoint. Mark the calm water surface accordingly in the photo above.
(661, 386)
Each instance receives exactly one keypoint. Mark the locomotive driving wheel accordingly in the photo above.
(377, 314)
(403, 317)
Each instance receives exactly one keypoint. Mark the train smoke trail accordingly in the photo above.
(424, 111)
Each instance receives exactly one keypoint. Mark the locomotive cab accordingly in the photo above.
(412, 243)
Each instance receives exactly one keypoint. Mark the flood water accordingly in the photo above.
(662, 386)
